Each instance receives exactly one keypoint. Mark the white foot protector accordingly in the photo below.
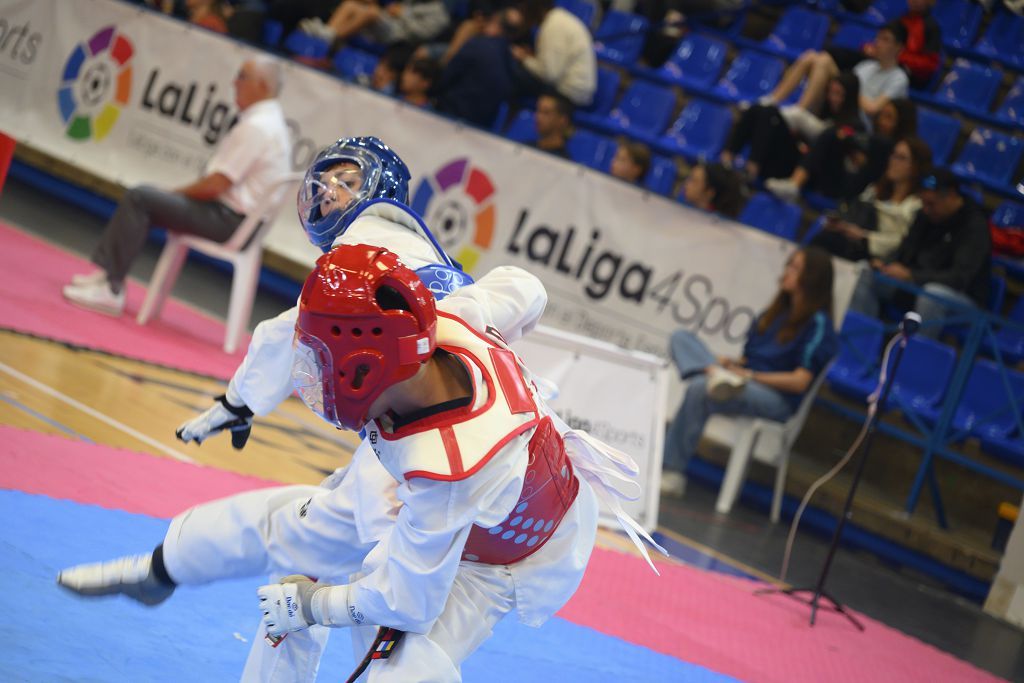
(131, 576)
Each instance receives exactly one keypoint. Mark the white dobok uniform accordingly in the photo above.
(397, 550)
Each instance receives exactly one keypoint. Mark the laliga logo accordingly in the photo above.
(96, 83)
(457, 205)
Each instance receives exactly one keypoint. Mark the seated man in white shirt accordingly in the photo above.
(881, 78)
(247, 163)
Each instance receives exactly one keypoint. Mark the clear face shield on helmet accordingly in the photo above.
(311, 364)
(338, 181)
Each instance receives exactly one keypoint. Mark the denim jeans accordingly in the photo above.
(871, 292)
(756, 400)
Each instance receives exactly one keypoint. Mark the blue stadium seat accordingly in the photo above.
(590, 149)
(661, 176)
(766, 212)
(798, 29)
(984, 408)
(996, 298)
(751, 75)
(303, 45)
(355, 65)
(880, 12)
(853, 35)
(1010, 342)
(969, 87)
(272, 33)
(854, 371)
(921, 380)
(813, 229)
(604, 97)
(989, 157)
(621, 37)
(959, 21)
(523, 128)
(695, 65)
(699, 133)
(1011, 111)
(643, 112)
(1003, 41)
(584, 10)
(940, 131)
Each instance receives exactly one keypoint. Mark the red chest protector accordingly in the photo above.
(549, 489)
(454, 445)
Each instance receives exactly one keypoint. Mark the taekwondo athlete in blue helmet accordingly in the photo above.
(354, 192)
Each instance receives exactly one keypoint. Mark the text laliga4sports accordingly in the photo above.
(688, 299)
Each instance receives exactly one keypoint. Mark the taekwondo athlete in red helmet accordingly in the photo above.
(455, 418)
(497, 514)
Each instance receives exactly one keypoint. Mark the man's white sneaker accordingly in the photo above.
(96, 297)
(724, 384)
(673, 483)
(783, 188)
(95, 277)
(131, 576)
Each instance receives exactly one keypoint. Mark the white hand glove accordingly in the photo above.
(288, 606)
(221, 415)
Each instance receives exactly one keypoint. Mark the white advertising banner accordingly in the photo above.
(135, 97)
(617, 396)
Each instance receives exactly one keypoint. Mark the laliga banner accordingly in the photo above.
(617, 396)
(135, 97)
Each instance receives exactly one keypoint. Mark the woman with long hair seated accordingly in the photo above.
(874, 225)
(787, 346)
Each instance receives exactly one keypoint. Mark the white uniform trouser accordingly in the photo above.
(284, 530)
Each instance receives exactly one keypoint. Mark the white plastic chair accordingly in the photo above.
(242, 251)
(767, 441)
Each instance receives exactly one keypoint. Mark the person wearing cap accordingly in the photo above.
(946, 253)
(248, 162)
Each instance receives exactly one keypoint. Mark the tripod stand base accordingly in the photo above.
(813, 601)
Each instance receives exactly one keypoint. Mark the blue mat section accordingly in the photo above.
(203, 634)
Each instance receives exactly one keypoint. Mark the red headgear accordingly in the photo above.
(366, 322)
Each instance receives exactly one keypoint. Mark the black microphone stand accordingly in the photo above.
(910, 323)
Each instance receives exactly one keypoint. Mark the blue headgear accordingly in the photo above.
(341, 179)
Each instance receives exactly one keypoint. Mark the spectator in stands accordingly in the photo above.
(843, 160)
(920, 55)
(787, 346)
(947, 253)
(775, 134)
(402, 21)
(553, 119)
(874, 225)
(417, 79)
(668, 23)
(389, 68)
(482, 74)
(249, 159)
(291, 12)
(714, 188)
(210, 14)
(563, 58)
(881, 78)
(631, 161)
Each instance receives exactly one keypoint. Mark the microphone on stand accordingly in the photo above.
(910, 324)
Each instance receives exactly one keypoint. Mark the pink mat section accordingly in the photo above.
(715, 621)
(32, 273)
(700, 617)
(112, 478)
